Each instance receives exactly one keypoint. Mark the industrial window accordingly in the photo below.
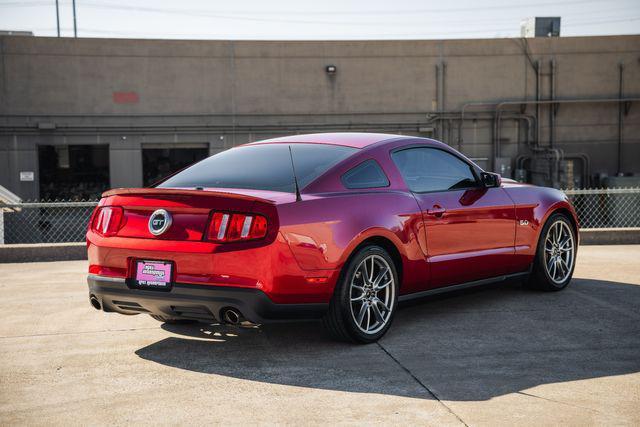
(430, 169)
(73, 172)
(367, 174)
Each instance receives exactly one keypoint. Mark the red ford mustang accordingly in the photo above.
(333, 226)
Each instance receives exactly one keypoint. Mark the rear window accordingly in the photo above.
(261, 167)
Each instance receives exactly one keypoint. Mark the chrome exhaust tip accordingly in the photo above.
(94, 302)
(232, 316)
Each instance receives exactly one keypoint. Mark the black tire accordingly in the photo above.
(172, 321)
(540, 277)
(340, 320)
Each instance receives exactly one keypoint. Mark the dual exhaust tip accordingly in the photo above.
(228, 315)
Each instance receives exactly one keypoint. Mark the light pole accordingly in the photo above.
(58, 17)
(75, 27)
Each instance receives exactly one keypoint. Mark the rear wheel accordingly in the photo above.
(365, 299)
(555, 256)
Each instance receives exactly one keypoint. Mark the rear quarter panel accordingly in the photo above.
(324, 230)
(534, 205)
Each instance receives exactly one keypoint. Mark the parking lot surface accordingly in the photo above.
(497, 355)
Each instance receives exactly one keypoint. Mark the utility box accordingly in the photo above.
(503, 166)
(540, 27)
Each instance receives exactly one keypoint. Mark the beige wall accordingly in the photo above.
(195, 91)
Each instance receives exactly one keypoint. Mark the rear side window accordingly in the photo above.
(367, 174)
(261, 167)
(430, 169)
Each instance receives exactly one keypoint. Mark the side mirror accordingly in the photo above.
(490, 180)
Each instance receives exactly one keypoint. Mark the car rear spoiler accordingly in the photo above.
(179, 191)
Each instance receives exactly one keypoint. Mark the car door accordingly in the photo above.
(470, 229)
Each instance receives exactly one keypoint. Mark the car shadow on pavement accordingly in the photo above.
(471, 345)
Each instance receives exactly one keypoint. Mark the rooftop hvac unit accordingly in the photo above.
(540, 27)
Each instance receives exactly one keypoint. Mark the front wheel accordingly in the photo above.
(365, 298)
(555, 256)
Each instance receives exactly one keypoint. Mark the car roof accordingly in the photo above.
(348, 139)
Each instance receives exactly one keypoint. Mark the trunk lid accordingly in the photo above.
(190, 210)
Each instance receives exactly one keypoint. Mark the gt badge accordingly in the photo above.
(159, 222)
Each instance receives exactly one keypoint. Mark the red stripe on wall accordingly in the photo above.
(126, 97)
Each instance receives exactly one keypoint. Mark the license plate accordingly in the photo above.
(153, 274)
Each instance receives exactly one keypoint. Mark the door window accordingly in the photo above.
(430, 169)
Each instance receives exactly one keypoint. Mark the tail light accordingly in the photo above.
(108, 220)
(234, 227)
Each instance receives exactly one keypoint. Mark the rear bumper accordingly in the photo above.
(197, 302)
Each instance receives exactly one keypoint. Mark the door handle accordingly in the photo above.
(437, 211)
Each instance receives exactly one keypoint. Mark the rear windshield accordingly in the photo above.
(261, 167)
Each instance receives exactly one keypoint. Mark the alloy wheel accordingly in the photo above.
(559, 252)
(372, 294)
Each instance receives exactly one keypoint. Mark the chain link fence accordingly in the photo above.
(61, 222)
(46, 222)
(606, 207)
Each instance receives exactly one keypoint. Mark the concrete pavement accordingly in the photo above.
(499, 355)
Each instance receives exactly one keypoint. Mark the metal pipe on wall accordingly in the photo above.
(538, 103)
(553, 103)
(552, 96)
(529, 119)
(443, 90)
(441, 132)
(586, 167)
(500, 105)
(228, 128)
(620, 115)
(553, 166)
(538, 99)
(495, 137)
(583, 158)
(489, 115)
(437, 106)
(461, 121)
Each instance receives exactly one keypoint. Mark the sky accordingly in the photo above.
(315, 20)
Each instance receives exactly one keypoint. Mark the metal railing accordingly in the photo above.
(60, 222)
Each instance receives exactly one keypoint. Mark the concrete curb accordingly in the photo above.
(610, 236)
(78, 251)
(43, 252)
